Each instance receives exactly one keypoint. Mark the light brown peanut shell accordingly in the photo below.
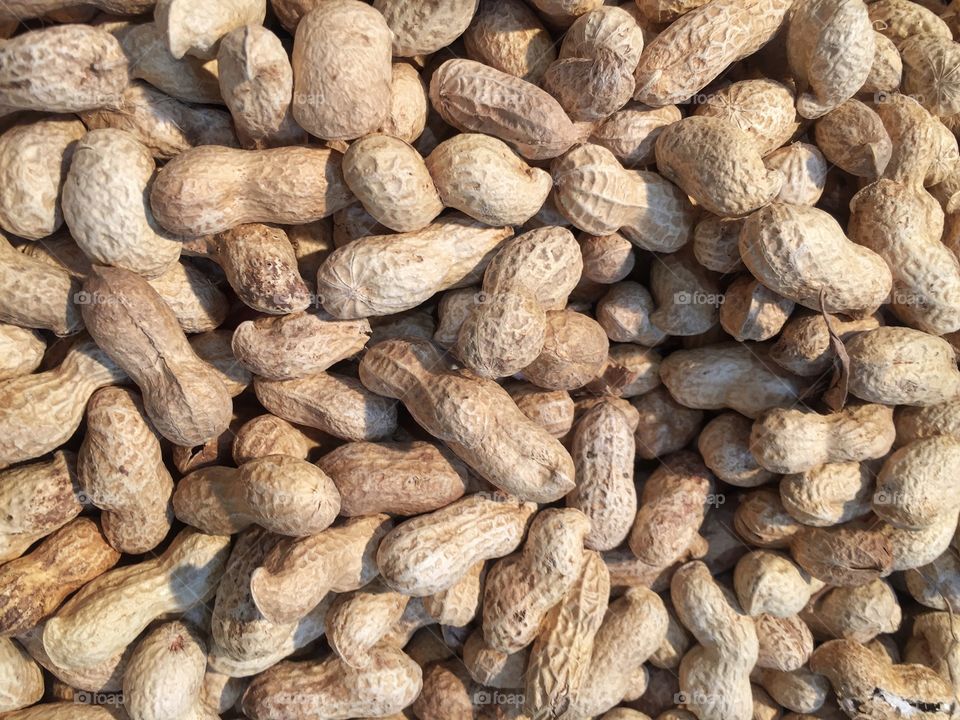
(515, 111)
(385, 274)
(337, 404)
(801, 252)
(804, 173)
(211, 189)
(592, 88)
(843, 555)
(631, 133)
(717, 164)
(915, 484)
(804, 346)
(687, 295)
(66, 68)
(763, 109)
(927, 76)
(37, 294)
(751, 311)
(195, 299)
(830, 494)
(607, 259)
(665, 425)
(852, 136)
(887, 69)
(121, 471)
(724, 444)
(164, 124)
(398, 478)
(830, 46)
(392, 181)
(423, 27)
(105, 204)
(197, 31)
(184, 399)
(574, 352)
(480, 176)
(21, 351)
(510, 37)
(297, 345)
(902, 366)
(22, 677)
(34, 158)
(701, 44)
(431, 552)
(901, 19)
(716, 243)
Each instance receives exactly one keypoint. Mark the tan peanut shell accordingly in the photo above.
(553, 410)
(164, 677)
(459, 604)
(729, 375)
(830, 47)
(491, 667)
(184, 400)
(256, 82)
(341, 70)
(791, 440)
(914, 487)
(785, 644)
(121, 471)
(902, 225)
(269, 435)
(515, 111)
(33, 586)
(105, 204)
(574, 352)
(22, 677)
(603, 452)
(166, 126)
(762, 520)
(210, 189)
(500, 443)
(769, 583)
(339, 559)
(830, 494)
(425, 26)
(331, 689)
(86, 629)
(509, 37)
(398, 478)
(631, 133)
(21, 351)
(599, 196)
(197, 31)
(393, 182)
(560, 657)
(41, 411)
(855, 613)
(777, 245)
(213, 348)
(724, 444)
(431, 552)
(843, 555)
(409, 104)
(915, 137)
(65, 710)
(886, 71)
(296, 345)
(701, 44)
(852, 136)
(715, 243)
(389, 270)
(188, 79)
(336, 404)
(665, 425)
(279, 493)
(607, 259)
(480, 176)
(358, 621)
(763, 109)
(902, 366)
(927, 60)
(591, 88)
(804, 346)
(521, 589)
(751, 311)
(66, 68)
(34, 157)
(717, 164)
(197, 302)
(900, 19)
(687, 295)
(506, 329)
(37, 294)
(804, 171)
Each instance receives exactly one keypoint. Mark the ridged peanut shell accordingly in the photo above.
(574, 352)
(22, 677)
(763, 109)
(724, 444)
(37, 294)
(928, 63)
(197, 31)
(509, 37)
(804, 171)
(830, 494)
(853, 138)
(631, 133)
(717, 164)
(21, 351)
(915, 484)
(902, 19)
(421, 27)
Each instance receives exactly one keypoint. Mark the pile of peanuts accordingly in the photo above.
(479, 359)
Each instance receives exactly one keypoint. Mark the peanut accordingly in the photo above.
(852, 136)
(830, 494)
(86, 629)
(751, 311)
(665, 425)
(431, 552)
(925, 75)
(182, 397)
(37, 294)
(688, 296)
(854, 613)
(509, 37)
(768, 583)
(913, 486)
(724, 444)
(281, 494)
(606, 258)
(804, 347)
(763, 109)
(422, 28)
(631, 133)
(23, 679)
(574, 352)
(804, 170)
(844, 555)
(715, 243)
(625, 313)
(196, 301)
(553, 410)
(21, 351)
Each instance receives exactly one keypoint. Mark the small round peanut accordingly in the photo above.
(724, 444)
(830, 494)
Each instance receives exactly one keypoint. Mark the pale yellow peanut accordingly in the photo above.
(591, 88)
(800, 691)
(804, 170)
(574, 352)
(770, 583)
(213, 348)
(491, 667)
(886, 71)
(109, 613)
(422, 28)
(188, 29)
(22, 678)
(900, 19)
(105, 676)
(385, 274)
(21, 351)
(498, 442)
(785, 644)
(510, 37)
(914, 486)
(763, 521)
(37, 294)
(761, 108)
(927, 60)
(339, 559)
(855, 613)
(829, 494)
(431, 552)
(358, 621)
(409, 104)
